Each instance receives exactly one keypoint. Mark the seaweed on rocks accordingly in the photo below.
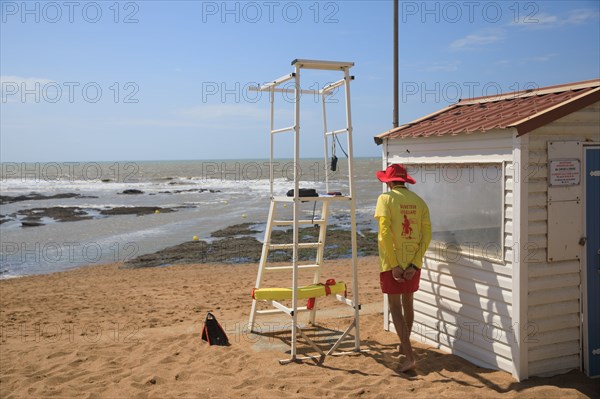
(237, 245)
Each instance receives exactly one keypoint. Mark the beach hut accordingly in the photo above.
(511, 280)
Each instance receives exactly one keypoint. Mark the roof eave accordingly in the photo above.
(560, 110)
(380, 137)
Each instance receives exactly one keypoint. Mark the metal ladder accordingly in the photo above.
(296, 201)
(268, 246)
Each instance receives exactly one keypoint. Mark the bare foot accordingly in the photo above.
(409, 364)
(401, 350)
(399, 354)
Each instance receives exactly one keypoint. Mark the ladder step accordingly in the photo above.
(285, 198)
(336, 132)
(269, 311)
(301, 245)
(291, 222)
(275, 268)
(283, 130)
(273, 311)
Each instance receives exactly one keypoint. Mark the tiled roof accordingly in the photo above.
(524, 111)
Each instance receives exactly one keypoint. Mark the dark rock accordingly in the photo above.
(191, 190)
(31, 224)
(236, 230)
(135, 210)
(132, 191)
(231, 250)
(6, 199)
(60, 214)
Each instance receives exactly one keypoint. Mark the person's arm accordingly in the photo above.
(385, 239)
(425, 238)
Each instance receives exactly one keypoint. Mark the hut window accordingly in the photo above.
(465, 204)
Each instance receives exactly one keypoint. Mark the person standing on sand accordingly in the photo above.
(404, 235)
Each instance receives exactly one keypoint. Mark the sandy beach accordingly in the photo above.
(107, 332)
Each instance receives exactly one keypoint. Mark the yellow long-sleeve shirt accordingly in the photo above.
(404, 229)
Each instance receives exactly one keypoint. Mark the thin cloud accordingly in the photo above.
(477, 40)
(547, 21)
(581, 16)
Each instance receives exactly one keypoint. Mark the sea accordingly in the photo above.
(205, 196)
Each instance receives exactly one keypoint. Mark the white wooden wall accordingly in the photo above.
(464, 304)
(554, 287)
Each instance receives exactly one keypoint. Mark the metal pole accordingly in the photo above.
(271, 177)
(395, 116)
(326, 142)
(353, 240)
(296, 214)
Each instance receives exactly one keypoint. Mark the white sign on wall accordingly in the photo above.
(565, 172)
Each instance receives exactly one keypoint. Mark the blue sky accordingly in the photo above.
(167, 80)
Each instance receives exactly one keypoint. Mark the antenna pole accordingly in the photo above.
(395, 116)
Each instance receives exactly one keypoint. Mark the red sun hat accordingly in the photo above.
(395, 172)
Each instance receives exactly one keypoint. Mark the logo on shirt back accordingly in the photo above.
(409, 212)
(406, 229)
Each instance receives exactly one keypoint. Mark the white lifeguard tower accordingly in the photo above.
(274, 296)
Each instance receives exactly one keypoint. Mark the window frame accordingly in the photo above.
(437, 246)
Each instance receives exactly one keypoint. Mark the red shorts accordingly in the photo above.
(390, 286)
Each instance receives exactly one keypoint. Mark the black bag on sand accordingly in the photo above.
(213, 333)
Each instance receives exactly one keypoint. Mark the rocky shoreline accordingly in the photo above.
(34, 217)
(7, 199)
(239, 244)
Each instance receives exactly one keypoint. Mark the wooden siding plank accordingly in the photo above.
(509, 255)
(556, 323)
(538, 156)
(554, 337)
(537, 255)
(466, 277)
(500, 308)
(538, 240)
(555, 283)
(508, 241)
(538, 199)
(549, 367)
(552, 269)
(537, 185)
(481, 337)
(474, 354)
(508, 212)
(455, 313)
(490, 147)
(553, 295)
(554, 351)
(537, 214)
(585, 130)
(537, 143)
(538, 227)
(435, 258)
(553, 309)
(509, 184)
